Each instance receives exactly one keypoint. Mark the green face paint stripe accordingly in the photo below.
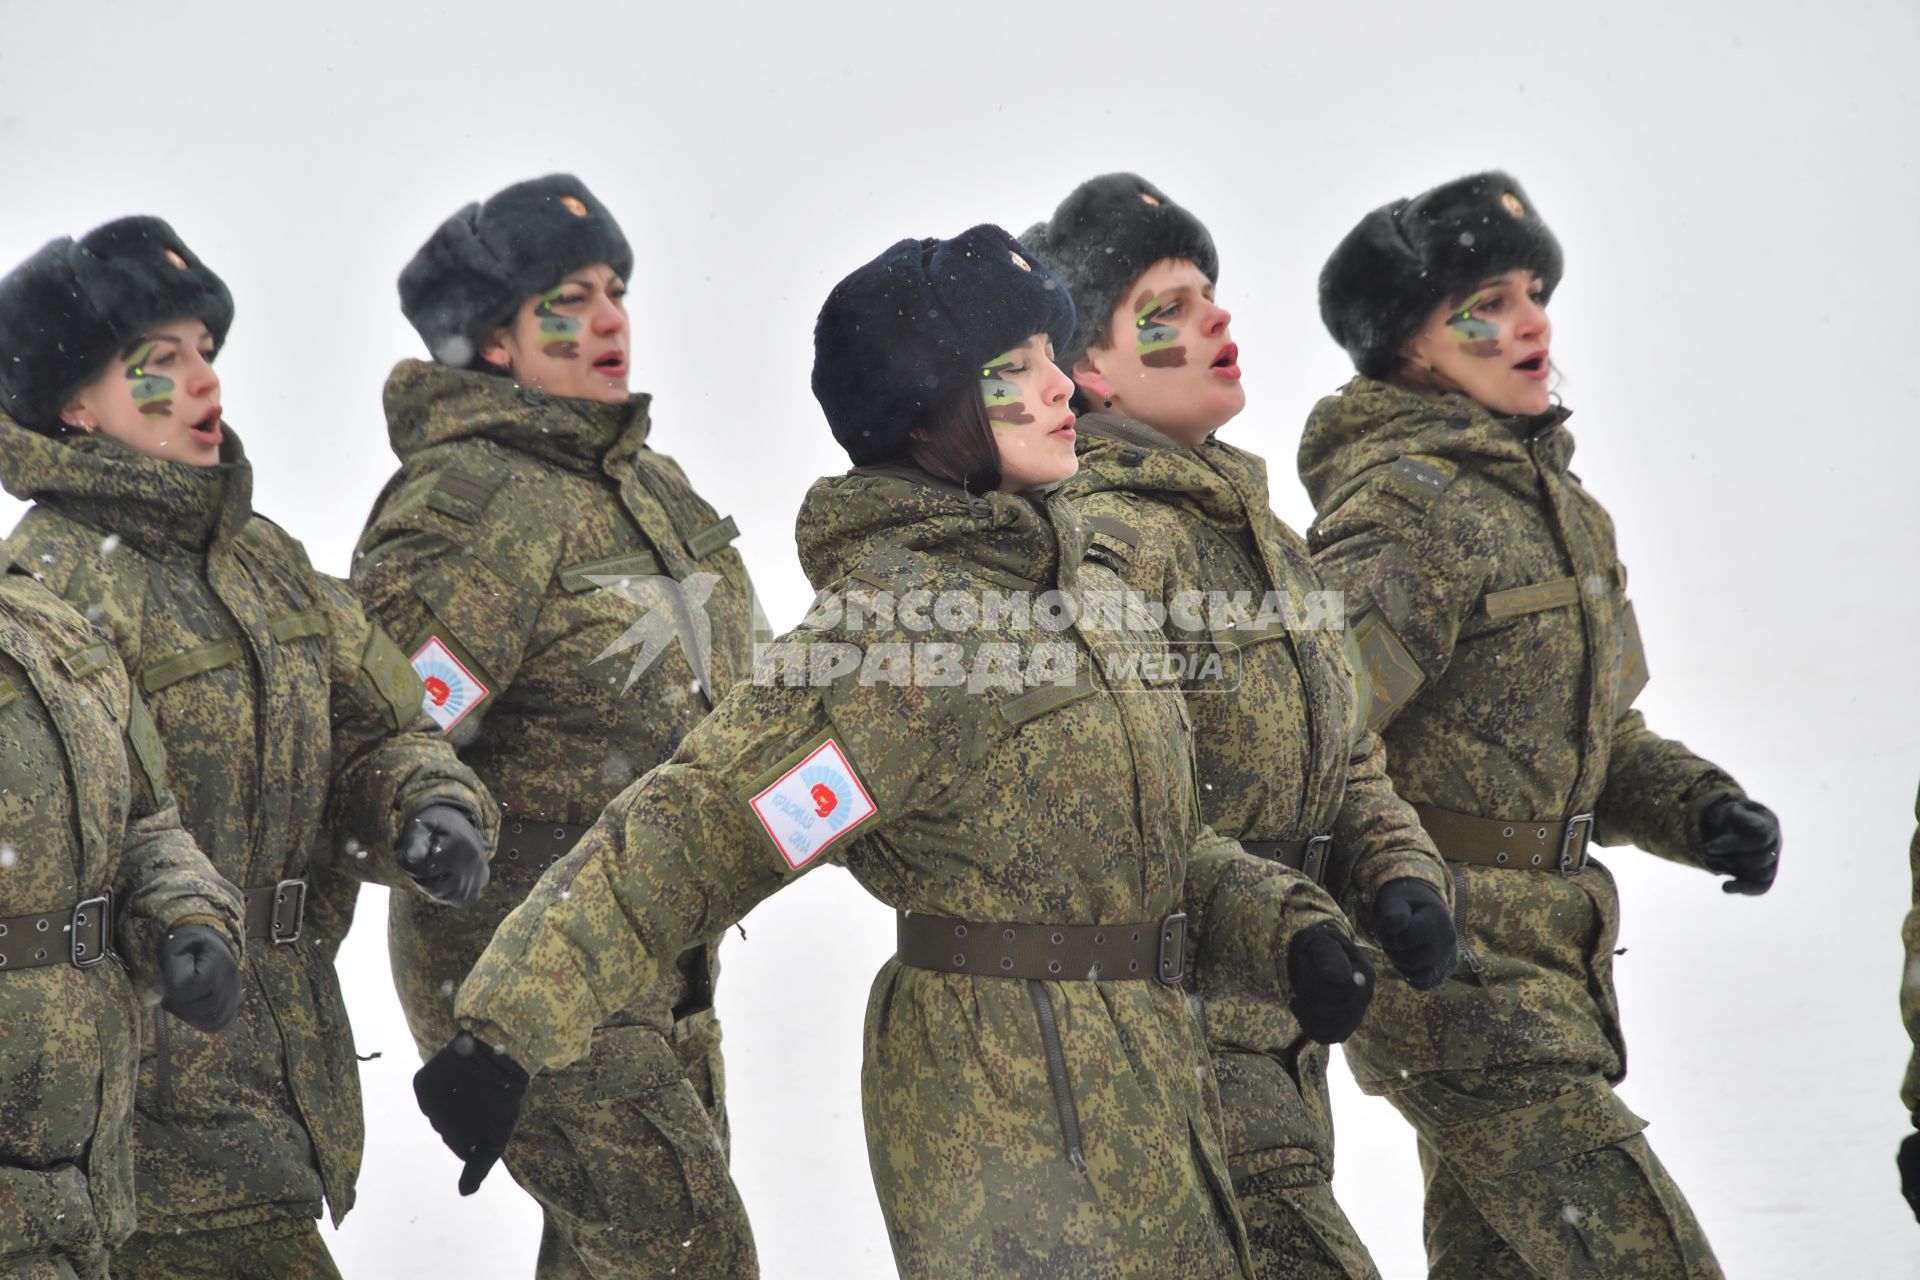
(1005, 409)
(152, 392)
(557, 330)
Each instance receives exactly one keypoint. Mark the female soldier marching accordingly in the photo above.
(1492, 611)
(1037, 1099)
(283, 713)
(530, 533)
(93, 867)
(1286, 763)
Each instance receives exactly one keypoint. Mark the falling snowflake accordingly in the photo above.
(8, 856)
(110, 544)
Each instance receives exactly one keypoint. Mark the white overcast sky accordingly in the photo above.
(1735, 188)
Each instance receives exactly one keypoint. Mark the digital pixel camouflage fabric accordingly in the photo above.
(77, 822)
(537, 540)
(1284, 753)
(1068, 802)
(1910, 985)
(1491, 607)
(294, 748)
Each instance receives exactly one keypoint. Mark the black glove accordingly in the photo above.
(1413, 926)
(1332, 982)
(443, 852)
(1741, 838)
(471, 1095)
(1909, 1162)
(199, 977)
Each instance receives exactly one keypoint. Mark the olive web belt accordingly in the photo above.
(1560, 845)
(1056, 952)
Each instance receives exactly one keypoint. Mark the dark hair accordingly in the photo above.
(955, 443)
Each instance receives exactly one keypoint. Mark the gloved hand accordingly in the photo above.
(1909, 1162)
(199, 977)
(1741, 838)
(1413, 926)
(471, 1095)
(1332, 982)
(443, 851)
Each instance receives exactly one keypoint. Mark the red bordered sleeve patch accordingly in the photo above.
(453, 690)
(813, 804)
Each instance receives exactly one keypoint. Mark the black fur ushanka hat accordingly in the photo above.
(903, 333)
(70, 308)
(477, 268)
(1407, 257)
(1103, 237)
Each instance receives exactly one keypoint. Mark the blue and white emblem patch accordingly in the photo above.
(813, 804)
(452, 690)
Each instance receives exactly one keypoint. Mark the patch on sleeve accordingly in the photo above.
(1391, 671)
(813, 804)
(1633, 662)
(452, 689)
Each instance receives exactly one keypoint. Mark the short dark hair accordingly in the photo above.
(955, 444)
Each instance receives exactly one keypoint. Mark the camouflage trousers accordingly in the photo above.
(1279, 1128)
(280, 1250)
(626, 1151)
(1545, 1173)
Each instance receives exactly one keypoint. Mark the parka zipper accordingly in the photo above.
(1459, 874)
(1057, 1073)
(162, 1067)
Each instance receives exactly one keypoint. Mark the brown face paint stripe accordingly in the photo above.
(1166, 358)
(1538, 598)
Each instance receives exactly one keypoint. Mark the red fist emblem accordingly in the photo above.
(437, 690)
(824, 801)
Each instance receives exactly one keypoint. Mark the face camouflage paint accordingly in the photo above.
(1004, 407)
(559, 335)
(1153, 342)
(152, 392)
(1476, 337)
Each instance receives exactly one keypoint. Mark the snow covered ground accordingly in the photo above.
(1735, 187)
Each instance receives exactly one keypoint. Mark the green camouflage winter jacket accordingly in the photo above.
(1910, 987)
(75, 823)
(533, 555)
(1487, 598)
(1279, 722)
(295, 748)
(965, 761)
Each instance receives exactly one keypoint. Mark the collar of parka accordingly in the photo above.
(431, 404)
(163, 508)
(1213, 480)
(845, 519)
(1367, 424)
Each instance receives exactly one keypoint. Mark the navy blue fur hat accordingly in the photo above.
(905, 332)
(68, 310)
(1407, 257)
(1104, 236)
(476, 269)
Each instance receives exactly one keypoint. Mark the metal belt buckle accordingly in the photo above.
(1574, 860)
(1314, 858)
(75, 947)
(278, 938)
(1173, 949)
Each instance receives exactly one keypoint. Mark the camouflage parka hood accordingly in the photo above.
(162, 508)
(1370, 424)
(432, 404)
(845, 519)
